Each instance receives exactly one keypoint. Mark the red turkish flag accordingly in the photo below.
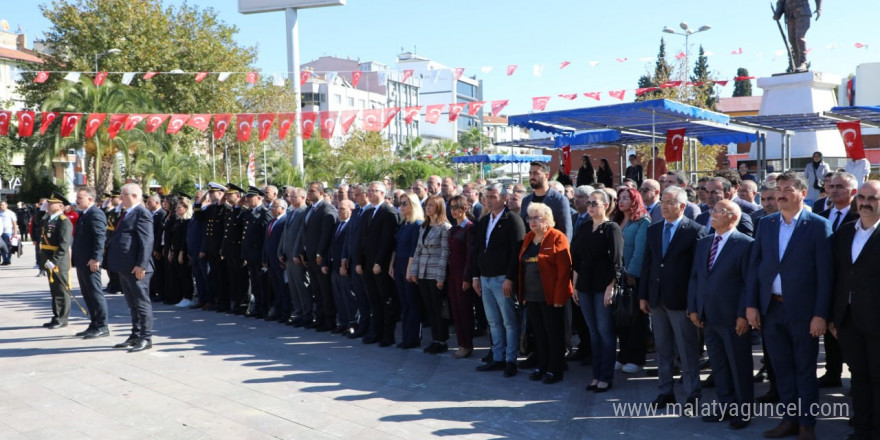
(643, 90)
(285, 121)
(594, 95)
(308, 124)
(669, 84)
(5, 116)
(455, 109)
(221, 123)
(176, 123)
(244, 122)
(355, 78)
(621, 60)
(721, 83)
(93, 123)
(26, 122)
(99, 78)
(563, 65)
(149, 75)
(539, 103)
(133, 121)
(200, 122)
(432, 113)
(42, 76)
(510, 69)
(154, 121)
(475, 107)
(264, 122)
(389, 114)
(200, 76)
(304, 76)
(851, 132)
(499, 105)
(328, 123)
(566, 159)
(617, 94)
(116, 123)
(674, 145)
(373, 119)
(860, 45)
(411, 113)
(46, 120)
(69, 122)
(348, 118)
(459, 71)
(252, 77)
(569, 96)
(406, 75)
(743, 78)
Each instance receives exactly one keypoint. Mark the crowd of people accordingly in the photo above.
(683, 268)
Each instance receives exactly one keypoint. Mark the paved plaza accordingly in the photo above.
(218, 376)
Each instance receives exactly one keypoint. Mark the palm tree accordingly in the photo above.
(171, 168)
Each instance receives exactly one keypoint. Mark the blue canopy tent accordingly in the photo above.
(499, 158)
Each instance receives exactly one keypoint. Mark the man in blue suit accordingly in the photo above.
(790, 291)
(717, 304)
(88, 253)
(274, 234)
(129, 254)
(717, 189)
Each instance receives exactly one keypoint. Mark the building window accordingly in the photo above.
(361, 103)
(466, 90)
(351, 102)
(338, 99)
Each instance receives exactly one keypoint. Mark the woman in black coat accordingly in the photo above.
(604, 175)
(181, 272)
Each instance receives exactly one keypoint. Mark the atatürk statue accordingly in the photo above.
(797, 18)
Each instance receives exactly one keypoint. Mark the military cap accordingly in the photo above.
(58, 198)
(213, 186)
(254, 191)
(234, 189)
(184, 195)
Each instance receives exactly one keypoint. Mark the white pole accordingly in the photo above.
(293, 74)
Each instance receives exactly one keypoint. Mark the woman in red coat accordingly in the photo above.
(461, 299)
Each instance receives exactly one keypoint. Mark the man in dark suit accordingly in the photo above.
(56, 236)
(128, 254)
(112, 210)
(153, 203)
(841, 188)
(790, 291)
(274, 233)
(717, 189)
(351, 253)
(666, 269)
(768, 202)
(736, 180)
(346, 304)
(289, 252)
(319, 224)
(574, 317)
(88, 254)
(717, 304)
(378, 228)
(230, 251)
(210, 210)
(856, 305)
(254, 222)
(679, 178)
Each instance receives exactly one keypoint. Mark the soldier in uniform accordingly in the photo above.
(36, 232)
(111, 211)
(55, 240)
(210, 210)
(797, 19)
(230, 251)
(254, 222)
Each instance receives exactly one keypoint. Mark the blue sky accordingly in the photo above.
(477, 33)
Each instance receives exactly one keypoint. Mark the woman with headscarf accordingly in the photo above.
(814, 174)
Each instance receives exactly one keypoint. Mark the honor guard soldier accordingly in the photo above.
(230, 251)
(254, 222)
(55, 241)
(111, 211)
(211, 212)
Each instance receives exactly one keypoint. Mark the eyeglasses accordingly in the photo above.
(404, 203)
(720, 212)
(594, 204)
(669, 202)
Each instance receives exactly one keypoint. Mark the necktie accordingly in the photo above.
(667, 237)
(339, 228)
(271, 224)
(714, 251)
(577, 224)
(836, 222)
(121, 216)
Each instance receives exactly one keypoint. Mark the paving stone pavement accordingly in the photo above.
(218, 376)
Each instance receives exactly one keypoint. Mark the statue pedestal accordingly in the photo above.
(801, 93)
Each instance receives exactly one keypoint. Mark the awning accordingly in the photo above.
(864, 113)
(501, 158)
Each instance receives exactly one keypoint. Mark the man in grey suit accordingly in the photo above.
(288, 253)
(717, 304)
(679, 178)
(129, 254)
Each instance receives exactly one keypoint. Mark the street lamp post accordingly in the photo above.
(98, 56)
(687, 32)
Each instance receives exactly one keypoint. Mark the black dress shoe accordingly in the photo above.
(738, 423)
(128, 343)
(323, 328)
(309, 324)
(437, 348)
(407, 345)
(338, 329)
(690, 407)
(529, 362)
(830, 381)
(487, 358)
(510, 369)
(576, 355)
(84, 332)
(94, 334)
(716, 417)
(386, 343)
(370, 340)
(141, 345)
(602, 389)
(57, 325)
(272, 317)
(492, 366)
(551, 378)
(663, 400)
(537, 375)
(709, 382)
(772, 396)
(49, 324)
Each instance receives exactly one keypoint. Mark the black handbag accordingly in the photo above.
(624, 304)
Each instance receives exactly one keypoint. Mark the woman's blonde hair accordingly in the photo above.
(543, 211)
(415, 209)
(189, 211)
(439, 211)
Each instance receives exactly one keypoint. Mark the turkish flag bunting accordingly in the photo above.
(459, 71)
(743, 78)
(244, 122)
(308, 124)
(199, 122)
(373, 119)
(851, 132)
(668, 84)
(390, 113)
(594, 95)
(149, 75)
(42, 76)
(510, 69)
(737, 51)
(539, 103)
(221, 123)
(304, 76)
(721, 83)
(348, 118)
(860, 45)
(93, 123)
(475, 106)
(499, 105)
(133, 121)
(99, 78)
(264, 122)
(26, 122)
(328, 123)
(432, 113)
(200, 76)
(406, 75)
(643, 90)
(566, 159)
(46, 119)
(411, 113)
(5, 116)
(252, 77)
(674, 144)
(154, 121)
(455, 109)
(563, 66)
(355, 78)
(621, 60)
(285, 121)
(569, 96)
(69, 122)
(617, 94)
(176, 123)
(116, 123)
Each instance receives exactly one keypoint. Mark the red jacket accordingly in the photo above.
(554, 266)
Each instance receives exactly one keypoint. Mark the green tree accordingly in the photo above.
(473, 138)
(703, 95)
(663, 73)
(742, 88)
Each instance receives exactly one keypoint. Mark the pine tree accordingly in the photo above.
(662, 74)
(703, 95)
(742, 88)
